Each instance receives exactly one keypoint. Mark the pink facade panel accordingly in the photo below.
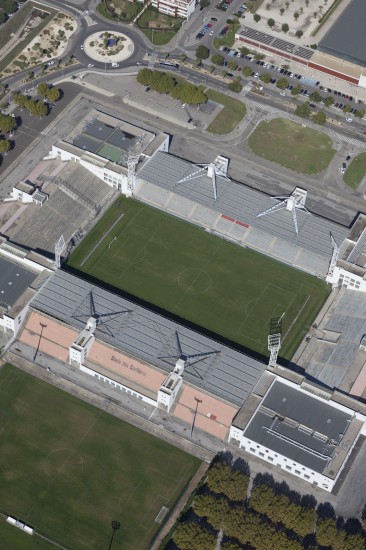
(55, 339)
(360, 383)
(201, 422)
(127, 367)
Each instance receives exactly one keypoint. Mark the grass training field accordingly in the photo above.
(229, 117)
(356, 171)
(69, 469)
(291, 145)
(219, 285)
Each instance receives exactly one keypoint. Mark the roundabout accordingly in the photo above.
(108, 47)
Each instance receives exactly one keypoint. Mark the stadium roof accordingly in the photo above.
(14, 280)
(346, 38)
(242, 203)
(298, 426)
(148, 336)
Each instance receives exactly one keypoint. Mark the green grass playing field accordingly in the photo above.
(69, 469)
(202, 278)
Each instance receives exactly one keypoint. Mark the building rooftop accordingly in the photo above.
(298, 426)
(108, 137)
(333, 354)
(147, 335)
(347, 38)
(272, 234)
(14, 280)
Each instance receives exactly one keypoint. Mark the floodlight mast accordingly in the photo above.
(59, 247)
(274, 339)
(132, 160)
(293, 202)
(216, 168)
(335, 254)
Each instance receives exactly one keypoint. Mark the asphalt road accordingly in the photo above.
(30, 127)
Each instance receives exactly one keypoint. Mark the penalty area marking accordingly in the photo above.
(101, 240)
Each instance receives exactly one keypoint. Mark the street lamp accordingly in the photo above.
(195, 414)
(43, 326)
(115, 526)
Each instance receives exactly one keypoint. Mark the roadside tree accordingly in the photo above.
(4, 146)
(282, 83)
(202, 52)
(319, 118)
(303, 110)
(218, 59)
(246, 71)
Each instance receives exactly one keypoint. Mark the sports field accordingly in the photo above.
(69, 470)
(202, 278)
(292, 145)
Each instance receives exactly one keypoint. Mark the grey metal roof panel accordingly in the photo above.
(346, 38)
(306, 409)
(14, 280)
(243, 203)
(257, 432)
(149, 336)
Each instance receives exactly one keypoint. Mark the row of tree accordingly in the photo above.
(272, 518)
(35, 107)
(167, 84)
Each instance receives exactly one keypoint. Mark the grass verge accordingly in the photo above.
(216, 284)
(229, 117)
(355, 172)
(69, 469)
(291, 145)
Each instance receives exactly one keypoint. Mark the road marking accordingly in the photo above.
(352, 141)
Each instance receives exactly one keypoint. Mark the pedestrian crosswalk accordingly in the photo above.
(264, 107)
(352, 141)
(246, 89)
(152, 60)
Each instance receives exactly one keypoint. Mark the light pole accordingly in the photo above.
(43, 326)
(115, 526)
(195, 414)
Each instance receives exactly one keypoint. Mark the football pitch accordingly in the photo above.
(69, 469)
(204, 279)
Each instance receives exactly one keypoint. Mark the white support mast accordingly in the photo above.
(292, 203)
(335, 254)
(214, 169)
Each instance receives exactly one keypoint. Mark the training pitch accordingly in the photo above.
(69, 469)
(200, 277)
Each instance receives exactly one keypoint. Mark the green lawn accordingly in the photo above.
(158, 27)
(291, 145)
(69, 469)
(356, 171)
(229, 117)
(14, 539)
(219, 285)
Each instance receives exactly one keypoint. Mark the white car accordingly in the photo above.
(349, 119)
(115, 64)
(283, 93)
(81, 46)
(51, 63)
(211, 33)
(90, 65)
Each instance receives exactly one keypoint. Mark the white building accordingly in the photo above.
(348, 265)
(306, 434)
(175, 8)
(110, 148)
(21, 274)
(27, 193)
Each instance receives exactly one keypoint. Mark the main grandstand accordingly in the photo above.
(234, 214)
